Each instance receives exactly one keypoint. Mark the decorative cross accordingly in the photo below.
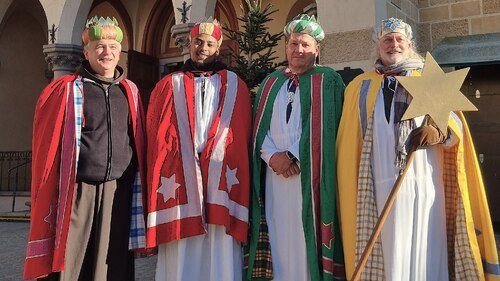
(52, 34)
(184, 11)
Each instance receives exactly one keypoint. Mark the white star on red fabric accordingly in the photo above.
(168, 187)
(50, 218)
(231, 178)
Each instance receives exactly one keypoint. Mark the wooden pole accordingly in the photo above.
(381, 220)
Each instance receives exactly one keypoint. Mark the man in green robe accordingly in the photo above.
(294, 223)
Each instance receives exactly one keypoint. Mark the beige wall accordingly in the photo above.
(22, 77)
(440, 19)
(349, 28)
(278, 22)
(69, 16)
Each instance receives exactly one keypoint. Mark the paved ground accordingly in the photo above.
(13, 237)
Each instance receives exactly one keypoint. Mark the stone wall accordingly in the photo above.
(447, 18)
(346, 46)
(355, 47)
(433, 20)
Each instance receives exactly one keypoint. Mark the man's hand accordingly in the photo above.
(426, 135)
(292, 171)
(282, 165)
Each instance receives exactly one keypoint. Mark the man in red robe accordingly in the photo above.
(88, 168)
(198, 128)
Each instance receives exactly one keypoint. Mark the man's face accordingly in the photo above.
(203, 49)
(393, 48)
(301, 52)
(103, 56)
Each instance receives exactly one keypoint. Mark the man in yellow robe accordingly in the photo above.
(439, 227)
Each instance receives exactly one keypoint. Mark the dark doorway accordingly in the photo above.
(170, 68)
(482, 87)
(348, 74)
(143, 71)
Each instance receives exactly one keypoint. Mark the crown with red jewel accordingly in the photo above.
(207, 26)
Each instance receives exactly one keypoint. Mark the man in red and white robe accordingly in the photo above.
(198, 128)
(88, 168)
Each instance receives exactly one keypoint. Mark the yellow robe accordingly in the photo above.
(468, 180)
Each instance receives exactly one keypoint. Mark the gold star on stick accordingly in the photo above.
(436, 93)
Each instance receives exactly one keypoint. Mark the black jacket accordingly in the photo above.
(106, 148)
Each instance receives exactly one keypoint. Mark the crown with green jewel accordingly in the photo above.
(304, 23)
(98, 28)
(101, 21)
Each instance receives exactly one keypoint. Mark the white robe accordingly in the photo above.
(215, 256)
(414, 241)
(284, 195)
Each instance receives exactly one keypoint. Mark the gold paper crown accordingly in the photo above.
(304, 23)
(101, 21)
(209, 20)
(391, 25)
(208, 26)
(98, 28)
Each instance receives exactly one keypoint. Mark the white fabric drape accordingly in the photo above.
(215, 256)
(284, 195)
(204, 110)
(414, 236)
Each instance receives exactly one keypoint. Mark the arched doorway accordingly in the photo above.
(23, 75)
(114, 8)
(226, 15)
(160, 23)
(158, 41)
(301, 7)
(17, 95)
(159, 49)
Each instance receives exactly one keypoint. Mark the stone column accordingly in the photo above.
(180, 33)
(63, 58)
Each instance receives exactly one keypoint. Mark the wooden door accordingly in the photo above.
(143, 71)
(485, 127)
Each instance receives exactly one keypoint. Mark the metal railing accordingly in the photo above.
(15, 171)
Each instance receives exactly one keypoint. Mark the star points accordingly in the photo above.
(51, 218)
(436, 93)
(327, 235)
(168, 187)
(231, 178)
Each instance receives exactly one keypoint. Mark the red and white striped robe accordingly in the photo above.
(197, 185)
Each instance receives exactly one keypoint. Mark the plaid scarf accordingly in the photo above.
(402, 128)
(367, 215)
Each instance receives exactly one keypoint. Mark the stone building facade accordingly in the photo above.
(41, 39)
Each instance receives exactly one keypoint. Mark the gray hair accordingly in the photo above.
(413, 52)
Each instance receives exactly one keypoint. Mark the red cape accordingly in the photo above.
(53, 172)
(177, 209)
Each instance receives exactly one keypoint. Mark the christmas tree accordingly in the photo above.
(254, 58)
